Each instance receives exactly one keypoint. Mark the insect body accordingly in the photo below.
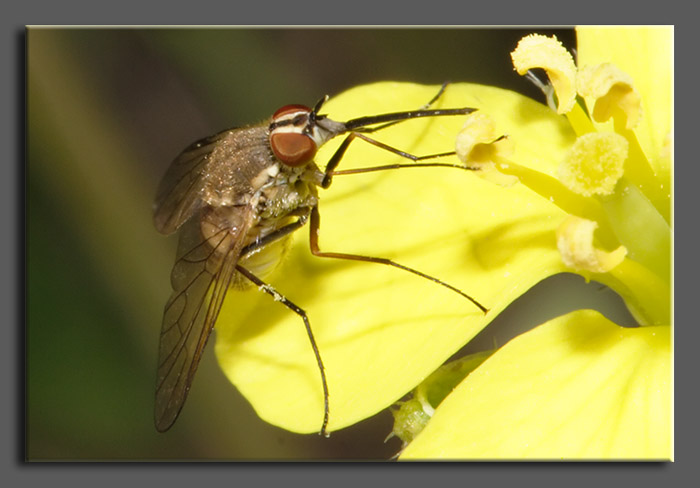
(236, 197)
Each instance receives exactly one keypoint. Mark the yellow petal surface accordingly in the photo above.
(577, 387)
(381, 330)
(646, 54)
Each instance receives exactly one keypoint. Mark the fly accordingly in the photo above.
(232, 195)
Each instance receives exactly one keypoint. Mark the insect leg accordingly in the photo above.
(315, 225)
(424, 107)
(371, 169)
(333, 163)
(301, 313)
(278, 234)
(359, 127)
(340, 152)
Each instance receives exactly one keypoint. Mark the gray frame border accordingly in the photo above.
(127, 12)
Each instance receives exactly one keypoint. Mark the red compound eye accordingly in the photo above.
(287, 138)
(292, 148)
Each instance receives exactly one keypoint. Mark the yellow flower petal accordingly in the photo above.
(537, 51)
(380, 330)
(577, 387)
(595, 163)
(575, 243)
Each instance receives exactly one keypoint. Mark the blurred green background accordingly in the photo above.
(108, 110)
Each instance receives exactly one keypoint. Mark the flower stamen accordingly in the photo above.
(613, 93)
(575, 244)
(480, 146)
(538, 51)
(545, 87)
(595, 163)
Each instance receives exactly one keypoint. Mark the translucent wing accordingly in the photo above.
(200, 279)
(179, 193)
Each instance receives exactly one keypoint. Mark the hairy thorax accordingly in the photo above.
(287, 194)
(250, 200)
